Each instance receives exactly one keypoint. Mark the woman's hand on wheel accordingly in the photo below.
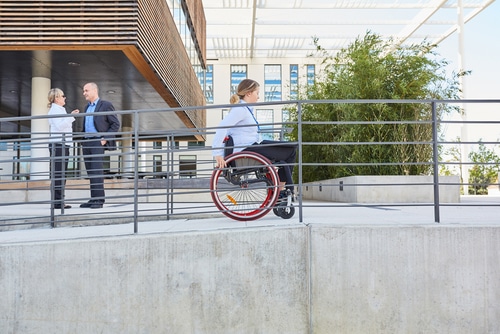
(220, 162)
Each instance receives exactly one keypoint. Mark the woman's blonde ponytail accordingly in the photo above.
(234, 99)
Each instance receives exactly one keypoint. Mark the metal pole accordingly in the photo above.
(170, 175)
(136, 171)
(63, 173)
(52, 185)
(435, 162)
(299, 138)
(464, 156)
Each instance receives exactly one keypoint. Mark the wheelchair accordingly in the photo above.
(249, 188)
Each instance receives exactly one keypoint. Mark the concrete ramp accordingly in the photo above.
(217, 276)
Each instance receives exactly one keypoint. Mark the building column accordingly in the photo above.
(41, 65)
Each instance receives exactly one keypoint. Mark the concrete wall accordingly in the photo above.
(383, 189)
(221, 282)
(298, 279)
(415, 279)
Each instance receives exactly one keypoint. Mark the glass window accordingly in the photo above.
(209, 84)
(294, 81)
(157, 166)
(177, 14)
(272, 83)
(205, 78)
(185, 30)
(265, 117)
(238, 73)
(187, 166)
(310, 75)
(285, 115)
(200, 75)
(22, 146)
(20, 168)
(195, 144)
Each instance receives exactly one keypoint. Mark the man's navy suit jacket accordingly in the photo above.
(105, 123)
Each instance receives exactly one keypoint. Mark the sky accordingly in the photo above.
(482, 58)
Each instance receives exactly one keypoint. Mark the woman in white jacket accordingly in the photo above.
(61, 130)
(243, 127)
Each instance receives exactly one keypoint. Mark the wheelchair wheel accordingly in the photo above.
(276, 211)
(284, 211)
(247, 189)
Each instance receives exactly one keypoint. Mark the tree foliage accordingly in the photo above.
(485, 170)
(371, 68)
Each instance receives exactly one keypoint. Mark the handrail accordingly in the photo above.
(148, 182)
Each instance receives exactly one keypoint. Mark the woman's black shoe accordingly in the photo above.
(60, 207)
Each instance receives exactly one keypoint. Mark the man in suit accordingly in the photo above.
(98, 136)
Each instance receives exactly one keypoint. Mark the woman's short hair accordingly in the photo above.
(53, 94)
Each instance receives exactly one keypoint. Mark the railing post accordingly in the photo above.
(63, 172)
(136, 172)
(170, 175)
(299, 138)
(52, 175)
(435, 158)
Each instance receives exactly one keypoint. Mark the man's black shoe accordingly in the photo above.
(96, 205)
(87, 205)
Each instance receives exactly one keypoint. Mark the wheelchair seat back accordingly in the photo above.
(229, 145)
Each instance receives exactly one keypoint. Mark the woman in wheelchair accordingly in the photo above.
(241, 125)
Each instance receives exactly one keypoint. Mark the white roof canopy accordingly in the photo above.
(286, 28)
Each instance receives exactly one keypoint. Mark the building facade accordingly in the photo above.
(136, 51)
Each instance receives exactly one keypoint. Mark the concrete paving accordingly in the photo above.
(472, 210)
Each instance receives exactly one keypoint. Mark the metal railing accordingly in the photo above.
(153, 177)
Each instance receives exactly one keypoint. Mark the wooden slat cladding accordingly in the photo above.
(66, 22)
(143, 29)
(161, 45)
(197, 17)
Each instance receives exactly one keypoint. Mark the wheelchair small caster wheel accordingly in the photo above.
(284, 211)
(276, 212)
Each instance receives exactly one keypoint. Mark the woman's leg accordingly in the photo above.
(280, 153)
(56, 152)
(276, 150)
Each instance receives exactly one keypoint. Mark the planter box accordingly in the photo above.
(383, 189)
